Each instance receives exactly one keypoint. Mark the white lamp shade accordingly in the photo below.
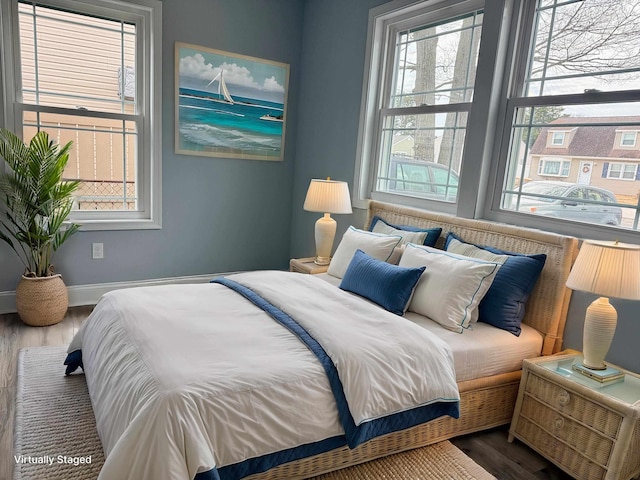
(328, 196)
(609, 269)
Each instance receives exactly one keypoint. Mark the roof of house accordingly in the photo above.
(588, 141)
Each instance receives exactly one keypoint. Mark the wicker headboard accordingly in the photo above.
(547, 306)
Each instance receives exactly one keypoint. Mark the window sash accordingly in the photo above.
(628, 139)
(130, 201)
(557, 138)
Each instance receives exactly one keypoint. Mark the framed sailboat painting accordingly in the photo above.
(229, 105)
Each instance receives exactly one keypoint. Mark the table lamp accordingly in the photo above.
(609, 269)
(326, 196)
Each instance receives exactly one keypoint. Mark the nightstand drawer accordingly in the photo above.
(577, 407)
(568, 458)
(594, 445)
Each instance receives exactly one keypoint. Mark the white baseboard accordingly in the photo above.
(90, 294)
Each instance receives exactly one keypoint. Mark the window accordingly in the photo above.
(557, 138)
(554, 167)
(623, 171)
(421, 87)
(628, 139)
(551, 75)
(571, 70)
(89, 72)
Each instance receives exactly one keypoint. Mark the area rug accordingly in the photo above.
(55, 435)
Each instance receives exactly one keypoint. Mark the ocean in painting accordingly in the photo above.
(248, 127)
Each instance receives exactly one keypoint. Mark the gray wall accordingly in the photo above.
(334, 43)
(330, 94)
(218, 214)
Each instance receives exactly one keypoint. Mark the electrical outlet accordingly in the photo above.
(97, 251)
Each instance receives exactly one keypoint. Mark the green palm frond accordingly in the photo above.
(35, 200)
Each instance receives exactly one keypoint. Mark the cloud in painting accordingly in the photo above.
(195, 66)
(272, 85)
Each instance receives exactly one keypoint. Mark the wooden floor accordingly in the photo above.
(490, 449)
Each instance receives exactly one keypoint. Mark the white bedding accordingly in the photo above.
(482, 350)
(155, 388)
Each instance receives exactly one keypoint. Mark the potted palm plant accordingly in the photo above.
(35, 204)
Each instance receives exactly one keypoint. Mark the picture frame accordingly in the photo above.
(229, 105)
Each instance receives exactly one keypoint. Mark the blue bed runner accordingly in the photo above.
(354, 434)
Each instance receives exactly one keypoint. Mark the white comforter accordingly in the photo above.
(184, 378)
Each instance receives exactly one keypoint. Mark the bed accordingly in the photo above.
(120, 380)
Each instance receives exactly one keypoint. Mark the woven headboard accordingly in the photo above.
(547, 306)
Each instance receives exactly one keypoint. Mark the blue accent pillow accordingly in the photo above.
(432, 233)
(504, 304)
(390, 286)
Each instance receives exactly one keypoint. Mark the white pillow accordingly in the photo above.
(406, 235)
(375, 245)
(451, 287)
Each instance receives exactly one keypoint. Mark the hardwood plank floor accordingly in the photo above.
(506, 461)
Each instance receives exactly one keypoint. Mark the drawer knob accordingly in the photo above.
(558, 423)
(563, 398)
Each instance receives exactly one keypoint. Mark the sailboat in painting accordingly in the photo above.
(223, 92)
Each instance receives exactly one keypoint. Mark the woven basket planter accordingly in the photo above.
(42, 301)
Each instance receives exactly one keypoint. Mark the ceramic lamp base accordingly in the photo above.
(599, 328)
(324, 234)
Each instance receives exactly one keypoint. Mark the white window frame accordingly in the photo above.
(622, 166)
(623, 133)
(560, 135)
(147, 15)
(563, 163)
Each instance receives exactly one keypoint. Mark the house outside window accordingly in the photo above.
(89, 72)
(420, 87)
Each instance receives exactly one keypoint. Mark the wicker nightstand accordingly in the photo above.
(306, 265)
(590, 430)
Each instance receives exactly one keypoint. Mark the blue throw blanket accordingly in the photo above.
(354, 434)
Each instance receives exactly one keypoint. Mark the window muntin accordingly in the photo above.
(425, 100)
(575, 77)
(90, 71)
